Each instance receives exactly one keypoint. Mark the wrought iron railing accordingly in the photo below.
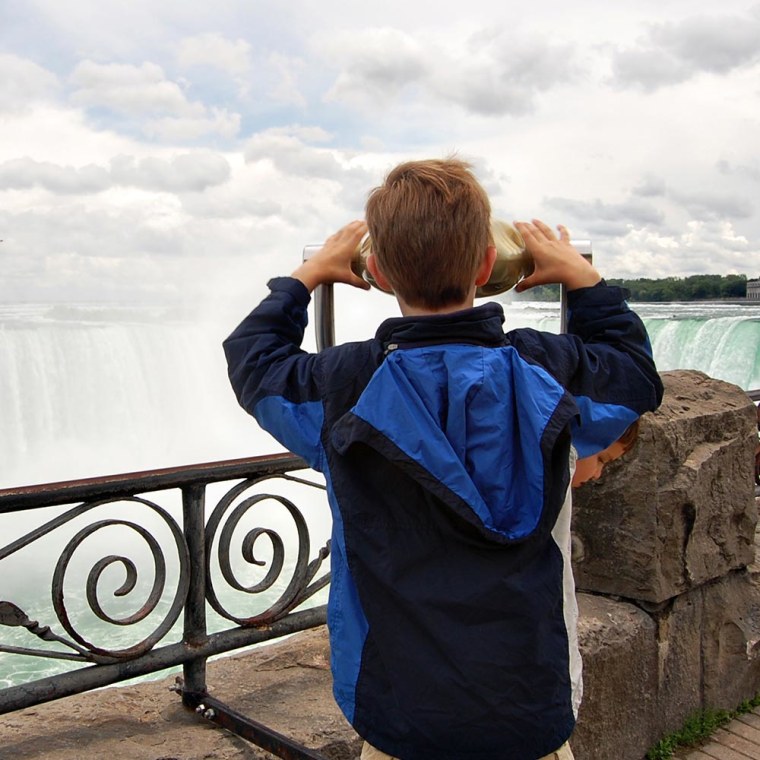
(192, 569)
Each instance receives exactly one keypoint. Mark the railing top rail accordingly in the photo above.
(126, 484)
(754, 395)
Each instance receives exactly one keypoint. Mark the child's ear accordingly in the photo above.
(484, 270)
(379, 277)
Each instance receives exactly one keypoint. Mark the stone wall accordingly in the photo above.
(664, 546)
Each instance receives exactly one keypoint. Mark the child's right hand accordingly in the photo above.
(554, 259)
(332, 263)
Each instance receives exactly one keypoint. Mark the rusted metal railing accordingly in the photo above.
(192, 567)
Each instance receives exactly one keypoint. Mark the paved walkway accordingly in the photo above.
(739, 740)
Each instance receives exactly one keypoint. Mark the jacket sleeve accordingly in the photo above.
(273, 378)
(605, 361)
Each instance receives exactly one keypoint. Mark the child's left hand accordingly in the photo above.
(554, 258)
(332, 263)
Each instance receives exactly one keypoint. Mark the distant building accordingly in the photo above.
(753, 290)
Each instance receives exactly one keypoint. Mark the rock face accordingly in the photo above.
(669, 531)
(617, 642)
(678, 511)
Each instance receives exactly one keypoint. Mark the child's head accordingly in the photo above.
(590, 468)
(430, 227)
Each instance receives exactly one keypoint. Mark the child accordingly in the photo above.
(445, 447)
(590, 468)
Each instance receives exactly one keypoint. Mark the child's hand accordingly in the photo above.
(332, 263)
(554, 259)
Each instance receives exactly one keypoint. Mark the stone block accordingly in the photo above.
(678, 635)
(619, 650)
(731, 639)
(678, 509)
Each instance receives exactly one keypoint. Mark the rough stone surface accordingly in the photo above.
(731, 639)
(678, 510)
(678, 636)
(286, 686)
(619, 651)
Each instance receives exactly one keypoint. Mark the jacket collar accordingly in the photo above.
(481, 325)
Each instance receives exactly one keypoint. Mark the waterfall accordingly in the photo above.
(725, 346)
(89, 390)
(93, 390)
(721, 340)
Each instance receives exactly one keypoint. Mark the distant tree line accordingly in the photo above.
(698, 287)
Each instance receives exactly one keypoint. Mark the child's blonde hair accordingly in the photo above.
(430, 226)
(629, 436)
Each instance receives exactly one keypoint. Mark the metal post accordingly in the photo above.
(195, 635)
(324, 307)
(324, 316)
(584, 248)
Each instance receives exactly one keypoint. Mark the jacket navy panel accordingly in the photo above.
(447, 592)
(462, 623)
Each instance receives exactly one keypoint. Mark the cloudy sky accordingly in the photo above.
(175, 151)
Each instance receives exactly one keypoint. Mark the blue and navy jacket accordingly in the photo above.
(445, 446)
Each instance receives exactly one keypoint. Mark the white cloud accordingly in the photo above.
(128, 89)
(313, 105)
(499, 73)
(673, 52)
(215, 121)
(286, 88)
(144, 92)
(606, 218)
(649, 69)
(334, 172)
(750, 169)
(713, 205)
(294, 158)
(211, 49)
(711, 43)
(23, 82)
(24, 173)
(304, 133)
(697, 248)
(189, 172)
(490, 73)
(376, 64)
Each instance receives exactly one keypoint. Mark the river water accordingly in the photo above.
(94, 389)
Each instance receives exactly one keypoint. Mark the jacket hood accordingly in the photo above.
(471, 420)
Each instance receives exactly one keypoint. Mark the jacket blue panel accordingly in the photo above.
(461, 412)
(598, 424)
(298, 427)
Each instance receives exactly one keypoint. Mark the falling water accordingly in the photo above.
(92, 390)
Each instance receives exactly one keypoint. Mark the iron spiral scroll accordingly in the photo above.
(302, 584)
(83, 649)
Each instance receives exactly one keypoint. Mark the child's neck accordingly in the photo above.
(423, 311)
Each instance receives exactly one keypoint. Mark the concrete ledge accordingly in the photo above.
(286, 686)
